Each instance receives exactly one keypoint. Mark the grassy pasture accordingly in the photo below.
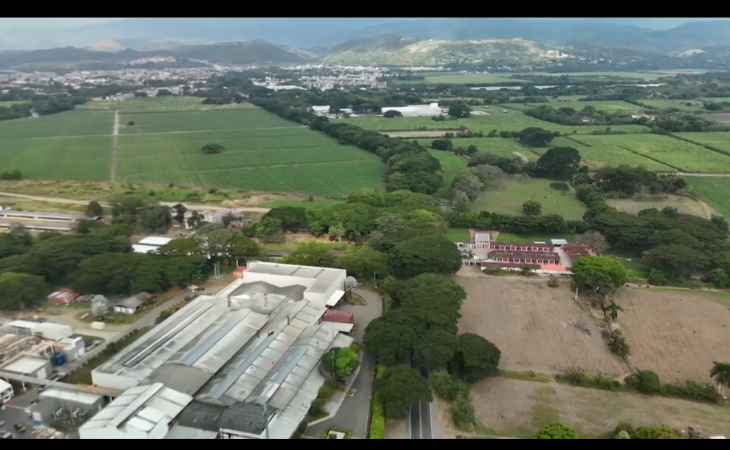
(719, 140)
(602, 153)
(693, 105)
(9, 104)
(495, 120)
(670, 151)
(160, 104)
(451, 164)
(460, 78)
(509, 199)
(609, 106)
(498, 146)
(684, 205)
(71, 123)
(714, 192)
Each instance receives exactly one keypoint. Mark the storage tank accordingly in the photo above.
(58, 359)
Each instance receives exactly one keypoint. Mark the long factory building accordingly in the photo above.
(242, 364)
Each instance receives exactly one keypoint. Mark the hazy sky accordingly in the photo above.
(7, 23)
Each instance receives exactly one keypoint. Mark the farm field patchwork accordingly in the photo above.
(689, 325)
(496, 120)
(185, 122)
(714, 192)
(536, 327)
(672, 152)
(71, 123)
(509, 198)
(645, 76)
(477, 78)
(263, 152)
(518, 408)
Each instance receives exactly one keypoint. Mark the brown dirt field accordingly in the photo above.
(518, 408)
(536, 327)
(677, 334)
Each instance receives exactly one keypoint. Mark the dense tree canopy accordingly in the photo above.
(292, 218)
(425, 254)
(436, 348)
(595, 272)
(364, 263)
(20, 289)
(311, 254)
(399, 389)
(459, 110)
(556, 430)
(677, 260)
(390, 337)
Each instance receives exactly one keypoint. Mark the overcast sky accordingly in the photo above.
(7, 23)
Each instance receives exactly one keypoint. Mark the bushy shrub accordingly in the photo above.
(556, 431)
(619, 346)
(691, 390)
(655, 433)
(448, 387)
(325, 392)
(623, 435)
(553, 282)
(657, 277)
(462, 414)
(645, 381)
(598, 381)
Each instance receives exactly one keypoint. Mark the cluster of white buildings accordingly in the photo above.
(241, 364)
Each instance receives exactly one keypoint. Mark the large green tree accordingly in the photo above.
(364, 263)
(556, 430)
(459, 110)
(94, 209)
(311, 254)
(595, 272)
(342, 362)
(292, 218)
(391, 337)
(558, 163)
(425, 254)
(180, 247)
(399, 389)
(20, 289)
(477, 358)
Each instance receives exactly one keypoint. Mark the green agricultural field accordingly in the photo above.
(498, 146)
(684, 205)
(684, 105)
(509, 199)
(495, 120)
(720, 140)
(160, 104)
(67, 124)
(77, 158)
(670, 151)
(716, 99)
(515, 106)
(184, 122)
(451, 164)
(460, 78)
(598, 152)
(262, 152)
(609, 106)
(640, 76)
(713, 191)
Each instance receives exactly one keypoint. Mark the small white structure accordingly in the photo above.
(142, 412)
(98, 325)
(73, 348)
(431, 109)
(6, 392)
(51, 331)
(155, 241)
(29, 366)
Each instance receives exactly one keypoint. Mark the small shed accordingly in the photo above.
(63, 296)
(339, 316)
(130, 305)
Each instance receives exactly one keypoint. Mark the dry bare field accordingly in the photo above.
(678, 334)
(519, 408)
(536, 327)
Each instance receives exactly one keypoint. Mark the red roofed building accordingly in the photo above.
(63, 296)
(339, 316)
(576, 250)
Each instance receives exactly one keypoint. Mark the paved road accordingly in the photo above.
(191, 206)
(355, 411)
(13, 414)
(420, 420)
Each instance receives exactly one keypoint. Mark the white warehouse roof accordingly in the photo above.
(432, 109)
(155, 241)
(25, 364)
(141, 412)
(77, 397)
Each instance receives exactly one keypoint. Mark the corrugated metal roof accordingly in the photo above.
(77, 397)
(181, 432)
(155, 241)
(25, 364)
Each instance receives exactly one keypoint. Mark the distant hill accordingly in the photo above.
(232, 53)
(587, 32)
(392, 50)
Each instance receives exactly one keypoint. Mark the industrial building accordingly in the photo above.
(242, 364)
(38, 226)
(130, 305)
(150, 244)
(46, 330)
(431, 109)
(40, 215)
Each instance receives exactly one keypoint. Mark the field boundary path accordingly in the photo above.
(196, 206)
(115, 136)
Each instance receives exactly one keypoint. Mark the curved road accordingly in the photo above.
(197, 206)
